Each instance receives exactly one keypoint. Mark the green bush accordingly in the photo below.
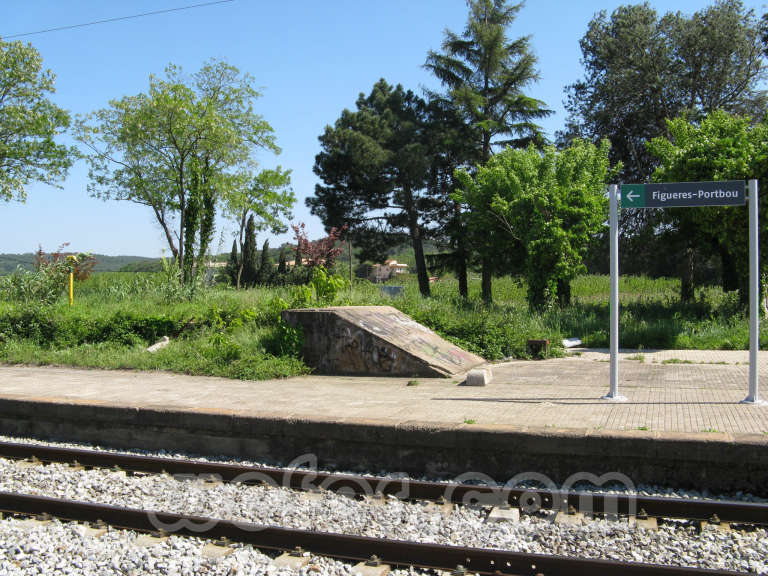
(42, 286)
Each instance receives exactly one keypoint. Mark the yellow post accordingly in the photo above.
(72, 261)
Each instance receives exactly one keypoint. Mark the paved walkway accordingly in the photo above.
(562, 393)
(733, 357)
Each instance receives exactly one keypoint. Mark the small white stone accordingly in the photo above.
(162, 343)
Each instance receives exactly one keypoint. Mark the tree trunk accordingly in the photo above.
(485, 283)
(241, 242)
(730, 272)
(418, 250)
(564, 293)
(461, 271)
(486, 146)
(686, 276)
(168, 236)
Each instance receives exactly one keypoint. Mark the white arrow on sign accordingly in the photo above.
(631, 197)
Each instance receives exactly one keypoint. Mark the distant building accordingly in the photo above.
(383, 272)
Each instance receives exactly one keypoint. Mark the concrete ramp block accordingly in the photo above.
(375, 341)
(478, 377)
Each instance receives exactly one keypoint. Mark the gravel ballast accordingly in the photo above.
(673, 543)
(66, 548)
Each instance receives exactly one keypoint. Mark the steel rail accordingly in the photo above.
(729, 511)
(340, 546)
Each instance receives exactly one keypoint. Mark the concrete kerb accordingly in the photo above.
(717, 461)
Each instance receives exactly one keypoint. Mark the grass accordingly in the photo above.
(224, 332)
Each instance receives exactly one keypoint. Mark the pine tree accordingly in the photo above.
(485, 73)
(233, 267)
(249, 265)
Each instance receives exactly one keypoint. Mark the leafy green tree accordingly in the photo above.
(249, 260)
(485, 74)
(267, 196)
(374, 165)
(179, 149)
(642, 69)
(721, 147)
(29, 123)
(551, 205)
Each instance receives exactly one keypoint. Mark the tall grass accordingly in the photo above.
(222, 331)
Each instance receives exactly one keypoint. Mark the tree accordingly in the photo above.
(233, 266)
(551, 205)
(374, 166)
(266, 268)
(282, 264)
(266, 196)
(641, 69)
(485, 74)
(249, 261)
(721, 147)
(451, 146)
(179, 149)
(29, 123)
(322, 252)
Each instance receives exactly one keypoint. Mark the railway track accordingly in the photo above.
(457, 560)
(527, 499)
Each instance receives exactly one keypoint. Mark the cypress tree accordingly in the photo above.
(265, 269)
(250, 269)
(282, 264)
(233, 267)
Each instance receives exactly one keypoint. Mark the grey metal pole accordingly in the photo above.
(754, 296)
(613, 192)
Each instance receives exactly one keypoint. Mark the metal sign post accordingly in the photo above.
(754, 297)
(688, 194)
(613, 193)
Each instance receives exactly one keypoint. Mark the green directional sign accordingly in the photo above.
(633, 195)
(681, 194)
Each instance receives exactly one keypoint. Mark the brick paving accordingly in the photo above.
(698, 397)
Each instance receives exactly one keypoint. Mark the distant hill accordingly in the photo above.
(9, 262)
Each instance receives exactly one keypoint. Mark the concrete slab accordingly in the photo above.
(498, 514)
(292, 560)
(375, 341)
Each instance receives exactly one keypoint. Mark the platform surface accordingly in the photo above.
(667, 392)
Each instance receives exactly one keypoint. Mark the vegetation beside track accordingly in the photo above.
(237, 334)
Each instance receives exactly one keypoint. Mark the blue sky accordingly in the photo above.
(310, 58)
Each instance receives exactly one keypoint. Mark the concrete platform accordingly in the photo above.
(682, 423)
